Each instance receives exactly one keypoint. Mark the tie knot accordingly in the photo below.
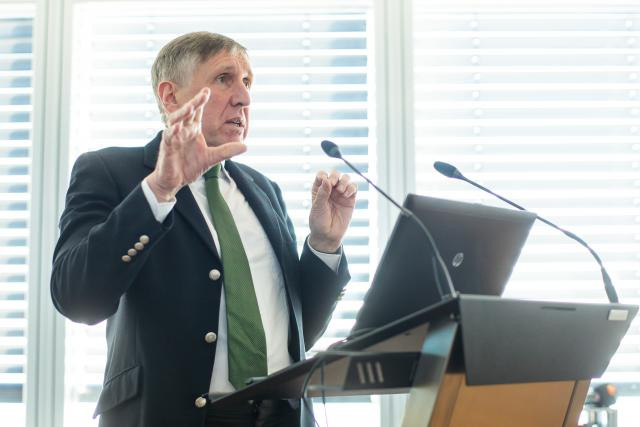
(214, 172)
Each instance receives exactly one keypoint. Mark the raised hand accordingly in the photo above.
(333, 200)
(184, 154)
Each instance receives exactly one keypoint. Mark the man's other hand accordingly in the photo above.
(333, 200)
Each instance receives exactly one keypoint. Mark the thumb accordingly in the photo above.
(225, 151)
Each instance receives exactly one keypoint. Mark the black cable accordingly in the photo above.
(324, 399)
(305, 384)
(331, 149)
(437, 276)
(433, 246)
(451, 171)
(436, 252)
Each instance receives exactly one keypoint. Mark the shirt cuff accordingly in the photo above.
(160, 210)
(331, 260)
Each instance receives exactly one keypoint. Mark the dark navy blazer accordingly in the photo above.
(161, 304)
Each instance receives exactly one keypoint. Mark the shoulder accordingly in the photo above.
(123, 158)
(112, 155)
(114, 167)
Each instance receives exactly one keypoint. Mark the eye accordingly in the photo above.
(247, 83)
(222, 78)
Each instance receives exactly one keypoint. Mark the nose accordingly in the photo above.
(241, 95)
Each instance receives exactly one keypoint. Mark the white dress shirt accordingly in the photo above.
(265, 272)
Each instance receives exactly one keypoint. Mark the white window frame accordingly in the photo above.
(393, 47)
(45, 328)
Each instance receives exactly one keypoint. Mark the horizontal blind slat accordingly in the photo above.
(543, 107)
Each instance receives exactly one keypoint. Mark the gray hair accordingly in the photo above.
(178, 59)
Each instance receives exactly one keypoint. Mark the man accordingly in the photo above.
(199, 277)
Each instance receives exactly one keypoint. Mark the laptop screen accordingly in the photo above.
(479, 245)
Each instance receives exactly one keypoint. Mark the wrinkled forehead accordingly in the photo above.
(230, 59)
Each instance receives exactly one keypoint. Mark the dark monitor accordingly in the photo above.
(479, 245)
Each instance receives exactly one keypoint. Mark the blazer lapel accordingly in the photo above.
(189, 209)
(186, 205)
(261, 205)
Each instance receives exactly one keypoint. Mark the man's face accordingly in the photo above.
(226, 114)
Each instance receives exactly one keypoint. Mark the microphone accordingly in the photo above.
(451, 171)
(331, 149)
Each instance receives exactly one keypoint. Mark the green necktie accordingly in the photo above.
(245, 335)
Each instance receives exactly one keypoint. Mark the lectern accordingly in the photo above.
(469, 361)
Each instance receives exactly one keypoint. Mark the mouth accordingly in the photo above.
(236, 121)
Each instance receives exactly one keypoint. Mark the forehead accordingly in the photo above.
(226, 62)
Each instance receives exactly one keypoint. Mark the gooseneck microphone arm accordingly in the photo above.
(332, 150)
(451, 171)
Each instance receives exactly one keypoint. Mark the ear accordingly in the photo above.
(167, 94)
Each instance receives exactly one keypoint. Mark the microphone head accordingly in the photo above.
(331, 149)
(448, 170)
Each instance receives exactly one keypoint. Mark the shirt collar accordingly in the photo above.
(224, 175)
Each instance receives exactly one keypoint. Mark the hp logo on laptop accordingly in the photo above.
(457, 259)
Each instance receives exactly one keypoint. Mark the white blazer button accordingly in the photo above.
(126, 258)
(144, 239)
(210, 337)
(201, 402)
(132, 252)
(138, 246)
(214, 274)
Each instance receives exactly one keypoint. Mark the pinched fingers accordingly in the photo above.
(342, 184)
(320, 190)
(345, 187)
(334, 178)
(317, 182)
(351, 190)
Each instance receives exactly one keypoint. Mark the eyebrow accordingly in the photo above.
(232, 68)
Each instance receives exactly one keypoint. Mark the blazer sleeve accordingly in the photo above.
(320, 288)
(97, 228)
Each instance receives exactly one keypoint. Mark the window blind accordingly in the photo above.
(313, 79)
(16, 27)
(543, 107)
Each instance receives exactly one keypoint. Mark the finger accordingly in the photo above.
(223, 152)
(200, 98)
(188, 119)
(184, 112)
(343, 183)
(317, 182)
(168, 136)
(180, 114)
(351, 190)
(198, 117)
(323, 193)
(334, 177)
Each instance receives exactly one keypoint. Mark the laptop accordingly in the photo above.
(479, 245)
